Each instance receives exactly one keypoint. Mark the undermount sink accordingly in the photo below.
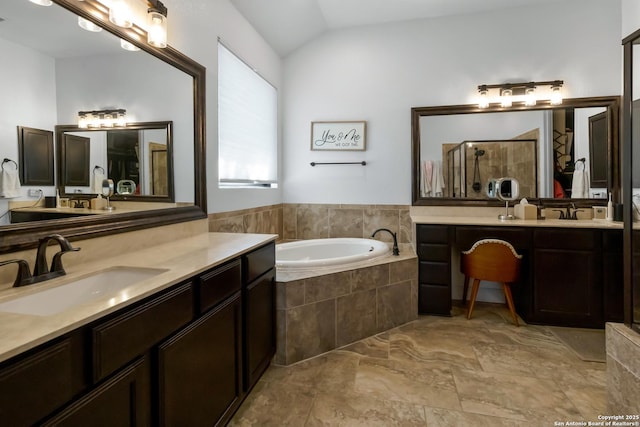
(79, 291)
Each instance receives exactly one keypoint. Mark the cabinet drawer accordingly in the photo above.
(437, 273)
(131, 334)
(433, 233)
(559, 238)
(219, 284)
(35, 386)
(259, 262)
(434, 299)
(434, 252)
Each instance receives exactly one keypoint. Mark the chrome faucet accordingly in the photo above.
(396, 251)
(41, 269)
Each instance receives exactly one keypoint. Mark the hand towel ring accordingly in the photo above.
(98, 167)
(9, 161)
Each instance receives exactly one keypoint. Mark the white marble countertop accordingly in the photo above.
(182, 258)
(494, 221)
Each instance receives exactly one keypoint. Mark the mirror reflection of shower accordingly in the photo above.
(477, 183)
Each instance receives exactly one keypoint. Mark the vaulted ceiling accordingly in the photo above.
(288, 24)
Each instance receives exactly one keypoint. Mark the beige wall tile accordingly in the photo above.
(353, 328)
(327, 286)
(370, 277)
(394, 305)
(345, 223)
(311, 330)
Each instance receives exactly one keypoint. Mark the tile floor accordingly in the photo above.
(435, 371)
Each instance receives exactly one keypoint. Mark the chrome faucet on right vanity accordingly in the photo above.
(41, 270)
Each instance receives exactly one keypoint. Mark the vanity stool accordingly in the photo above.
(493, 260)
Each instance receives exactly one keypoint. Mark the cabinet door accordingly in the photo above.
(122, 400)
(568, 278)
(199, 378)
(612, 275)
(259, 328)
(32, 387)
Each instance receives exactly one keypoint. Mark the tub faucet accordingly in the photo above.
(41, 270)
(396, 251)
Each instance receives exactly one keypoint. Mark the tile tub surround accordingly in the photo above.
(321, 311)
(297, 221)
(623, 369)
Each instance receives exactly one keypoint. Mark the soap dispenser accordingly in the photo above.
(57, 198)
(609, 209)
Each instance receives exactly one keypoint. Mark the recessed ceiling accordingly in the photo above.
(288, 24)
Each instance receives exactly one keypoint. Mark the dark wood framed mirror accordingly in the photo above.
(435, 127)
(631, 180)
(25, 235)
(140, 153)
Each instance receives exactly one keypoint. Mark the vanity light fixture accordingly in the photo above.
(120, 14)
(102, 118)
(157, 24)
(556, 93)
(484, 97)
(528, 93)
(85, 24)
(506, 97)
(128, 46)
(42, 2)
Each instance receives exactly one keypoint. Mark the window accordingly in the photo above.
(247, 125)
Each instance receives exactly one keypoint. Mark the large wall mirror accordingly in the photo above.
(138, 158)
(58, 69)
(457, 150)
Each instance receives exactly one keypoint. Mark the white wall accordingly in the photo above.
(377, 73)
(194, 27)
(28, 99)
(630, 17)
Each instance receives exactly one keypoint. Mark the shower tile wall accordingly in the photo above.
(315, 221)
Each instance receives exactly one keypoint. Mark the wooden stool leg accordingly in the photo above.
(509, 298)
(474, 294)
(465, 290)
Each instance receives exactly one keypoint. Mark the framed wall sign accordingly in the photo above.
(342, 136)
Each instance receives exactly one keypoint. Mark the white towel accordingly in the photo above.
(96, 185)
(427, 169)
(580, 182)
(9, 183)
(437, 181)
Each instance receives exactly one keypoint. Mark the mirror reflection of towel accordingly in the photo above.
(9, 183)
(96, 185)
(580, 182)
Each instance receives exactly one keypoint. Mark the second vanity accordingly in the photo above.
(183, 347)
(571, 273)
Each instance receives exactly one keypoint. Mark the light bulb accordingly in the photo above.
(128, 46)
(42, 2)
(506, 98)
(85, 24)
(157, 31)
(484, 98)
(556, 95)
(120, 14)
(530, 96)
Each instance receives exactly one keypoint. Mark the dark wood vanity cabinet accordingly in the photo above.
(568, 286)
(569, 276)
(200, 369)
(259, 313)
(186, 356)
(434, 269)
